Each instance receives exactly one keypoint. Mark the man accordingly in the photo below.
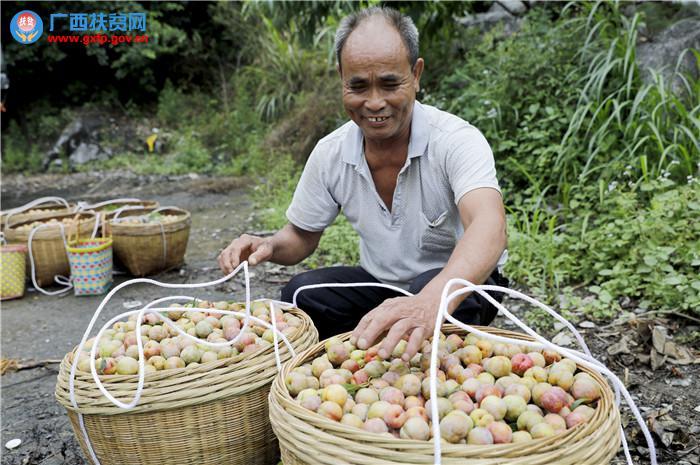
(411, 180)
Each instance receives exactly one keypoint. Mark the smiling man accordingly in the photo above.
(417, 184)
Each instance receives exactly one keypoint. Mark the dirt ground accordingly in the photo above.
(41, 328)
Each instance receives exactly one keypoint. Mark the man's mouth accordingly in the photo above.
(377, 119)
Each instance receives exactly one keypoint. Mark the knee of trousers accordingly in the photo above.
(302, 279)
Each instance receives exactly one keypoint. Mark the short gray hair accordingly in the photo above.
(403, 24)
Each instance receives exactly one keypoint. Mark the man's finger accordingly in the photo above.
(395, 334)
(360, 329)
(380, 323)
(229, 260)
(414, 343)
(261, 254)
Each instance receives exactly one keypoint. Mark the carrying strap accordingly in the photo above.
(87, 206)
(32, 204)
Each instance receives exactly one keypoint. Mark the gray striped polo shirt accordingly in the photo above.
(447, 157)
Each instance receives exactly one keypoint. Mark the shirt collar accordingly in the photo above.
(352, 150)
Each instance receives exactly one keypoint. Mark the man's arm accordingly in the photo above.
(288, 246)
(474, 258)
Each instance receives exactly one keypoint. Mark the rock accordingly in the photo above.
(663, 52)
(79, 141)
(87, 152)
(504, 12)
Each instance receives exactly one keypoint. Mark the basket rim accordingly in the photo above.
(49, 232)
(75, 246)
(234, 375)
(14, 248)
(170, 227)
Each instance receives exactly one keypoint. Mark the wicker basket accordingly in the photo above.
(12, 271)
(48, 248)
(146, 249)
(213, 414)
(308, 438)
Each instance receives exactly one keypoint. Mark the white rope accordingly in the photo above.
(86, 206)
(247, 317)
(171, 324)
(322, 285)
(33, 203)
(120, 210)
(579, 358)
(586, 358)
(59, 279)
(115, 219)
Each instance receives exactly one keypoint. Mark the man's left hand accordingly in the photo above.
(411, 318)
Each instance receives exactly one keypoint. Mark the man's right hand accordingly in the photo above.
(252, 248)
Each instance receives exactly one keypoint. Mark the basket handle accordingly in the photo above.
(120, 210)
(159, 209)
(585, 359)
(76, 220)
(106, 202)
(33, 203)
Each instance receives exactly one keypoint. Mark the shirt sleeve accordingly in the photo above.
(313, 207)
(469, 163)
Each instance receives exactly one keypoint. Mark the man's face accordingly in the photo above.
(379, 86)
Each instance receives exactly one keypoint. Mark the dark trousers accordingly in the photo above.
(337, 310)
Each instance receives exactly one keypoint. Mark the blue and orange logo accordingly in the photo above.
(26, 27)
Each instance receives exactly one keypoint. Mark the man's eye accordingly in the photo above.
(394, 85)
(357, 88)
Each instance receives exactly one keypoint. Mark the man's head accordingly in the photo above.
(377, 52)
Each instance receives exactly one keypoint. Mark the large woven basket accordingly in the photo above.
(308, 438)
(47, 248)
(213, 414)
(147, 249)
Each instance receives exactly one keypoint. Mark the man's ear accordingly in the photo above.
(417, 72)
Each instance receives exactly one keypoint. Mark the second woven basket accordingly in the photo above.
(308, 438)
(154, 246)
(212, 414)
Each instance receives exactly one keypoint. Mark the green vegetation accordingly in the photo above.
(599, 167)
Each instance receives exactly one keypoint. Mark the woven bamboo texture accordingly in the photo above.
(38, 213)
(13, 259)
(308, 438)
(212, 414)
(48, 249)
(140, 247)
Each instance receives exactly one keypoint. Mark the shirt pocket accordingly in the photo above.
(437, 235)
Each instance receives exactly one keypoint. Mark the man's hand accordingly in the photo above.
(252, 248)
(411, 318)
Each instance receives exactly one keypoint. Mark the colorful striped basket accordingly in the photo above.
(90, 263)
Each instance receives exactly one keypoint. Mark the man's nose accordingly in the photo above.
(375, 102)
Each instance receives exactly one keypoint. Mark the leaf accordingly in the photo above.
(353, 388)
(579, 402)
